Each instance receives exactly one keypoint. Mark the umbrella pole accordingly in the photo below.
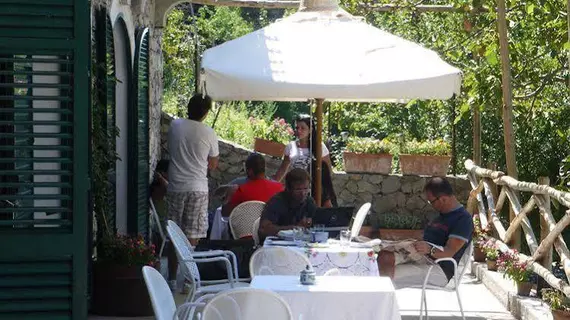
(319, 152)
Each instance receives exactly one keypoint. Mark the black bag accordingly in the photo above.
(242, 248)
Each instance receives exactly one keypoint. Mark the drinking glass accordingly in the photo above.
(344, 238)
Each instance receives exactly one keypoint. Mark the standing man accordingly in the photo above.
(193, 149)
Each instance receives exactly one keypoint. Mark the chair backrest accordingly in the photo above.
(255, 231)
(156, 220)
(160, 295)
(247, 304)
(243, 216)
(359, 220)
(462, 266)
(184, 251)
(277, 261)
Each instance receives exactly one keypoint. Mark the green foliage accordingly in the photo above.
(126, 251)
(513, 267)
(400, 221)
(490, 249)
(232, 123)
(556, 299)
(430, 147)
(369, 145)
(277, 130)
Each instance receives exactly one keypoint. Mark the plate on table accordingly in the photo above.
(285, 243)
(286, 234)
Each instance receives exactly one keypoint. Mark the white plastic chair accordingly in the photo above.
(255, 231)
(247, 304)
(163, 303)
(453, 285)
(156, 221)
(359, 220)
(188, 259)
(243, 216)
(277, 261)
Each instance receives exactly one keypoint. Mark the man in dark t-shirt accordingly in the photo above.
(290, 208)
(451, 231)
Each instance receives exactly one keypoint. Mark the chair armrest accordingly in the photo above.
(214, 259)
(226, 253)
(209, 253)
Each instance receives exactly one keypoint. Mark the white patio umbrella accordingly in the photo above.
(322, 52)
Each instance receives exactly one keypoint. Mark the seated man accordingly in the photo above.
(452, 230)
(290, 208)
(257, 186)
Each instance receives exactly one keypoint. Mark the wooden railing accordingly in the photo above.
(485, 184)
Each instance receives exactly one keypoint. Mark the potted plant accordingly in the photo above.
(118, 284)
(479, 235)
(368, 155)
(400, 227)
(558, 302)
(517, 270)
(270, 138)
(491, 254)
(425, 158)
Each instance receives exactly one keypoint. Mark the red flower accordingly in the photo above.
(370, 253)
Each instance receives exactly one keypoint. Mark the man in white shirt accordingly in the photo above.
(193, 148)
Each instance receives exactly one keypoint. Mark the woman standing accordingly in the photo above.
(302, 152)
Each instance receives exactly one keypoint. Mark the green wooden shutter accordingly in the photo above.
(44, 146)
(139, 140)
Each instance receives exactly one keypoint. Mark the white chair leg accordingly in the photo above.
(422, 304)
(460, 305)
(425, 306)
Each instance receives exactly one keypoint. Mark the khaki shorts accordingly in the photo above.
(411, 274)
(190, 212)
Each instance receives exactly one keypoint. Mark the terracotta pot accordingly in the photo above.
(492, 265)
(367, 162)
(401, 234)
(523, 288)
(560, 315)
(271, 148)
(478, 255)
(415, 164)
(119, 291)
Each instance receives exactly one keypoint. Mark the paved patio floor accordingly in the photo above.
(478, 304)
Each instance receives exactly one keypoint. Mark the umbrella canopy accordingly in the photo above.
(325, 54)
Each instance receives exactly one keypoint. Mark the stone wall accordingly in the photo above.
(387, 193)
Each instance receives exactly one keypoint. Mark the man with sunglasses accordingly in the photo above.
(451, 230)
(290, 208)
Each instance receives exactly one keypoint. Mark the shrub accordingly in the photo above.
(514, 268)
(278, 130)
(430, 147)
(126, 251)
(556, 299)
(400, 221)
(369, 145)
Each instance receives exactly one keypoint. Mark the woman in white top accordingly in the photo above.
(299, 153)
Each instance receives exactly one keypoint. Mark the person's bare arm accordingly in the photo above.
(213, 162)
(282, 169)
(451, 247)
(268, 228)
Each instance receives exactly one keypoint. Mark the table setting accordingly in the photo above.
(350, 258)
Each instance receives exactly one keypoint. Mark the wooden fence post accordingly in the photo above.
(546, 260)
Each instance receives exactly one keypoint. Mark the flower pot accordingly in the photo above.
(491, 265)
(401, 234)
(523, 288)
(478, 255)
(560, 315)
(367, 162)
(415, 164)
(268, 147)
(119, 291)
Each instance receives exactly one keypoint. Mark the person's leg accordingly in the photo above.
(386, 263)
(196, 216)
(413, 275)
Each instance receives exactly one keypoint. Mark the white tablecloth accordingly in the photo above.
(349, 261)
(342, 298)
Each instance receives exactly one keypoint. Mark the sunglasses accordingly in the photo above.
(433, 201)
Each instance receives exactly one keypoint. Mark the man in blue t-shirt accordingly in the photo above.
(451, 231)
